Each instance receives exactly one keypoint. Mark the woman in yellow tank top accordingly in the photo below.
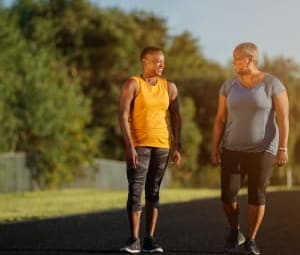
(148, 118)
(145, 103)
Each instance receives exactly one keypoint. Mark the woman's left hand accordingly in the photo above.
(176, 158)
(282, 158)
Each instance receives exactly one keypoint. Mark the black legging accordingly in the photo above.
(235, 165)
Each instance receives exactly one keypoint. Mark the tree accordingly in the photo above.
(9, 83)
(184, 58)
(191, 140)
(44, 108)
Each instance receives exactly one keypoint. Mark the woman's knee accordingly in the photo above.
(257, 196)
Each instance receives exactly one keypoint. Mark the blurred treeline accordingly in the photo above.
(62, 63)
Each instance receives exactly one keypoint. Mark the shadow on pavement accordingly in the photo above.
(196, 227)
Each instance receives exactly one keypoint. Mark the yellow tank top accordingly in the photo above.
(148, 118)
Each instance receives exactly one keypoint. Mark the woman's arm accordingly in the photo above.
(128, 93)
(218, 129)
(281, 105)
(175, 118)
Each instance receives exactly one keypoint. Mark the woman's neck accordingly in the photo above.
(152, 80)
(252, 79)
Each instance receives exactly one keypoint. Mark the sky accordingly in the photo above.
(219, 25)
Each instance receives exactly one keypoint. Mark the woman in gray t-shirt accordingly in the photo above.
(252, 138)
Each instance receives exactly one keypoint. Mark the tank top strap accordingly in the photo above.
(138, 80)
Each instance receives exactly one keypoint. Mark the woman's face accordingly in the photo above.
(155, 63)
(241, 62)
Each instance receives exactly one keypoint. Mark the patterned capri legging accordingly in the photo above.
(152, 163)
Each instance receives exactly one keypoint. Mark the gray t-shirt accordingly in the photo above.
(251, 125)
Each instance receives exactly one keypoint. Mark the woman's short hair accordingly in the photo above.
(250, 49)
(149, 50)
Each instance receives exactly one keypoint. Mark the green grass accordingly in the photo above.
(53, 203)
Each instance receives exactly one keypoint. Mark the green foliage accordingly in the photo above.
(43, 108)
(191, 139)
(209, 176)
(184, 60)
(9, 83)
(53, 115)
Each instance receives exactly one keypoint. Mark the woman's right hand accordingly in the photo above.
(132, 156)
(215, 157)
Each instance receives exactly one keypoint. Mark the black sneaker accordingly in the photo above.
(150, 245)
(133, 246)
(234, 241)
(251, 247)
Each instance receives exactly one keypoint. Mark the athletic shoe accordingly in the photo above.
(150, 245)
(234, 241)
(251, 247)
(133, 246)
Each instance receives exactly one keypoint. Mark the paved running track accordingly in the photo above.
(196, 227)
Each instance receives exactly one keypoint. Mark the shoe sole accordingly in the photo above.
(158, 250)
(237, 250)
(130, 251)
(253, 253)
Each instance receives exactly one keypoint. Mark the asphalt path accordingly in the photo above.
(196, 227)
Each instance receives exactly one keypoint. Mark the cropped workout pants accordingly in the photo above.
(152, 164)
(235, 165)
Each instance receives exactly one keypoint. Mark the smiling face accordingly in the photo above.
(154, 63)
(245, 58)
(241, 62)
